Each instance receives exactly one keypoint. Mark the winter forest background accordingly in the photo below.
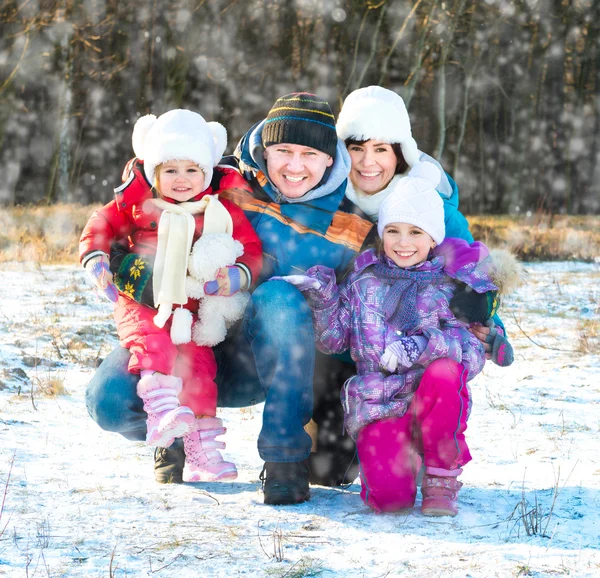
(504, 93)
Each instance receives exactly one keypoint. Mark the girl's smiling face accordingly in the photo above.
(180, 180)
(406, 244)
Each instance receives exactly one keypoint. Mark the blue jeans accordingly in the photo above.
(269, 356)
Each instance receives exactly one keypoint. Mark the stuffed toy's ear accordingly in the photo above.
(140, 131)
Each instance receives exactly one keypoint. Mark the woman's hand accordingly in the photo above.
(482, 332)
(497, 347)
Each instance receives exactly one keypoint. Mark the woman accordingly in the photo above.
(375, 126)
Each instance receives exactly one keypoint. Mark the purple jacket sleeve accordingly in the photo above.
(331, 311)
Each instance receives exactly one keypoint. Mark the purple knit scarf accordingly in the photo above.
(400, 305)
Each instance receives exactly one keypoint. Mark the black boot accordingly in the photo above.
(168, 463)
(285, 482)
(334, 462)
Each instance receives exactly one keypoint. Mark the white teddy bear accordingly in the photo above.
(215, 313)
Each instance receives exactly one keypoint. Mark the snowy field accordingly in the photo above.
(77, 501)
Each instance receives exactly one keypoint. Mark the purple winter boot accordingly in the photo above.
(440, 492)
(203, 461)
(167, 419)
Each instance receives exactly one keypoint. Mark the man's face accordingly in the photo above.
(295, 169)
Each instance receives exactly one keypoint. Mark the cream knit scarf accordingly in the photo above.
(175, 235)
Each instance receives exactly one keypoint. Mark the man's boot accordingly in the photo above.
(285, 483)
(168, 463)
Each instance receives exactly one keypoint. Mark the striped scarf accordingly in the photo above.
(400, 307)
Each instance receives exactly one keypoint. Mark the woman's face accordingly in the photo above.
(373, 166)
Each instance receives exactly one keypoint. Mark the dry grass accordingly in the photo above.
(589, 336)
(50, 234)
(42, 234)
(541, 237)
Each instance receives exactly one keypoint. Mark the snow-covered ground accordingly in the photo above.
(78, 501)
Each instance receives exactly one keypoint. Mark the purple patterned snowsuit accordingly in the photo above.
(350, 316)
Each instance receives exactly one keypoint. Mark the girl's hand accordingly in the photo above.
(403, 353)
(303, 282)
(228, 281)
(98, 271)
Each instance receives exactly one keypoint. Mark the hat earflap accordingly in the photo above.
(425, 171)
(140, 132)
(219, 134)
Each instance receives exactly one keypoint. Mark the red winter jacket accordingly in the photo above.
(132, 218)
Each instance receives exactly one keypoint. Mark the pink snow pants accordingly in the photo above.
(390, 450)
(151, 348)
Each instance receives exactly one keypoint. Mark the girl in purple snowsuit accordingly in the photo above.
(409, 401)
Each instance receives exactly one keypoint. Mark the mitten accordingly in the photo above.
(472, 307)
(303, 282)
(98, 271)
(403, 353)
(132, 274)
(501, 350)
(228, 281)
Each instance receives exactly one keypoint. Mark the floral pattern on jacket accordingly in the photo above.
(351, 316)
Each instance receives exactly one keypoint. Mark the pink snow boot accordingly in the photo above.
(440, 492)
(203, 461)
(167, 419)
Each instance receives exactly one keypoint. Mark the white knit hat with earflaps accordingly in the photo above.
(178, 135)
(414, 200)
(376, 113)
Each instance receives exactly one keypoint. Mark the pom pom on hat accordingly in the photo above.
(427, 171)
(415, 200)
(178, 135)
(219, 137)
(140, 131)
(380, 114)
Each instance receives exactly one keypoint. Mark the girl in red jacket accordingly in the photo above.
(177, 153)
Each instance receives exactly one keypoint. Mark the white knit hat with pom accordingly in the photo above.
(380, 114)
(178, 135)
(415, 200)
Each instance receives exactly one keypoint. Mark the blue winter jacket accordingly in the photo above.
(299, 233)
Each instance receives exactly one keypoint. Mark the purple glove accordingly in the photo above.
(501, 350)
(303, 282)
(403, 353)
(227, 282)
(98, 271)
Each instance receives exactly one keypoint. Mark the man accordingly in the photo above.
(297, 168)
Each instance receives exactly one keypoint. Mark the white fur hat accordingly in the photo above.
(377, 113)
(178, 135)
(415, 200)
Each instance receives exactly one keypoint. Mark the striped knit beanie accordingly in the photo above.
(301, 118)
